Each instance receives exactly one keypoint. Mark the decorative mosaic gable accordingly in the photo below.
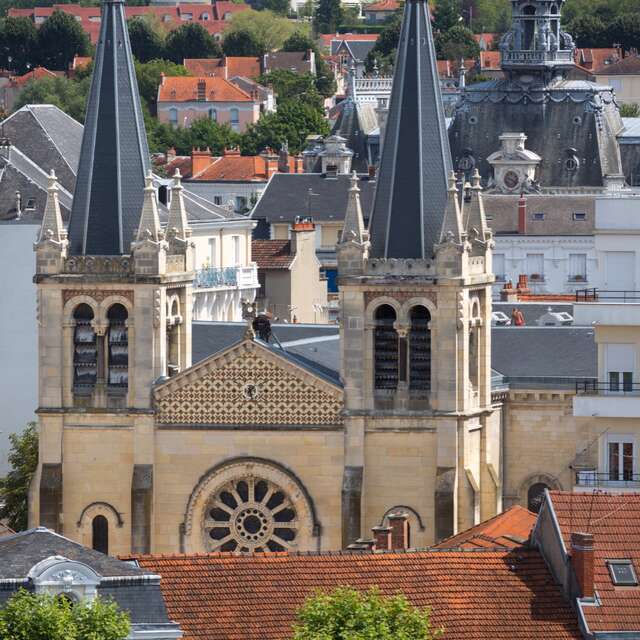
(248, 386)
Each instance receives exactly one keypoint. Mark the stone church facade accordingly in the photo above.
(249, 449)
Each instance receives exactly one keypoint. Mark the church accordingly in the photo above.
(254, 448)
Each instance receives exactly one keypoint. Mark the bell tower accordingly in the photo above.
(114, 315)
(415, 293)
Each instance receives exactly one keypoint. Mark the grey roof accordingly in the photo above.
(411, 194)
(298, 61)
(547, 356)
(287, 196)
(358, 49)
(48, 137)
(532, 311)
(355, 122)
(198, 197)
(114, 157)
(21, 551)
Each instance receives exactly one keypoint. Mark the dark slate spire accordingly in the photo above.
(411, 195)
(114, 158)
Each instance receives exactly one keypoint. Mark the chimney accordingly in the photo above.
(200, 160)
(522, 215)
(382, 538)
(523, 284)
(171, 154)
(270, 163)
(508, 293)
(399, 523)
(582, 559)
(303, 233)
(298, 164)
(372, 171)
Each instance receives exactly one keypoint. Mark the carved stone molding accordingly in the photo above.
(97, 294)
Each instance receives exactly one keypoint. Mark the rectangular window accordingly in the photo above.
(535, 266)
(578, 267)
(619, 362)
(213, 258)
(538, 215)
(615, 84)
(620, 459)
(234, 117)
(241, 204)
(235, 250)
(217, 200)
(579, 215)
(499, 266)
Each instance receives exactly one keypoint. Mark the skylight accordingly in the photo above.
(622, 573)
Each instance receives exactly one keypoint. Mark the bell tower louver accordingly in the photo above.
(114, 158)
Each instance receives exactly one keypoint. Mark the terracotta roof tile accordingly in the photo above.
(383, 5)
(234, 167)
(490, 60)
(626, 67)
(595, 58)
(502, 595)
(248, 67)
(35, 74)
(614, 521)
(272, 254)
(326, 38)
(508, 529)
(185, 89)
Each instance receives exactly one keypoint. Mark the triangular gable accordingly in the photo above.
(248, 385)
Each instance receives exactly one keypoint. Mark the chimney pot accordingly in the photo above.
(522, 215)
(399, 523)
(382, 538)
(582, 559)
(372, 171)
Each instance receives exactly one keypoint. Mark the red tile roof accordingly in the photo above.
(35, 74)
(508, 529)
(502, 595)
(490, 60)
(227, 67)
(185, 89)
(614, 521)
(272, 254)
(326, 38)
(629, 66)
(383, 5)
(487, 37)
(235, 168)
(595, 58)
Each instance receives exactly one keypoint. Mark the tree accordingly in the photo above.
(384, 51)
(625, 30)
(30, 616)
(447, 15)
(14, 487)
(60, 38)
(242, 42)
(493, 16)
(289, 85)
(68, 95)
(456, 43)
(328, 16)
(267, 29)
(279, 7)
(325, 80)
(147, 42)
(347, 613)
(18, 44)
(149, 76)
(293, 122)
(588, 31)
(630, 110)
(190, 40)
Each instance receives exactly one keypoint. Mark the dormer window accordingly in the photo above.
(63, 578)
(622, 573)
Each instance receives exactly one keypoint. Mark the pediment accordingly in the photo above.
(248, 385)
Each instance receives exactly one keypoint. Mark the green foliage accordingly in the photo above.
(456, 43)
(266, 28)
(384, 50)
(589, 31)
(325, 80)
(328, 16)
(492, 16)
(28, 616)
(279, 7)
(625, 30)
(190, 40)
(289, 85)
(14, 487)
(293, 122)
(147, 40)
(18, 41)
(60, 38)
(202, 133)
(630, 110)
(243, 43)
(447, 15)
(603, 23)
(149, 75)
(347, 614)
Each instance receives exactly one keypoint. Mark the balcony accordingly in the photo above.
(227, 278)
(606, 399)
(587, 480)
(525, 57)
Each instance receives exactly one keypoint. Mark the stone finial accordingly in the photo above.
(452, 230)
(149, 227)
(52, 229)
(354, 229)
(178, 224)
(476, 220)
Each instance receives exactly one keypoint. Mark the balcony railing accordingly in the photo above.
(536, 57)
(601, 295)
(609, 480)
(595, 387)
(226, 277)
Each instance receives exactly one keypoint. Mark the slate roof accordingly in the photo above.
(185, 89)
(114, 158)
(272, 254)
(286, 197)
(532, 311)
(411, 194)
(356, 121)
(49, 137)
(297, 61)
(509, 529)
(614, 521)
(357, 49)
(473, 595)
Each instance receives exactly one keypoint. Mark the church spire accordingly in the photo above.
(114, 158)
(411, 194)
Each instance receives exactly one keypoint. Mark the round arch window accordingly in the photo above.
(251, 514)
(535, 496)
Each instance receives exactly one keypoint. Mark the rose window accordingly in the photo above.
(250, 514)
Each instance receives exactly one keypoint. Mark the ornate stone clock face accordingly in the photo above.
(511, 179)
